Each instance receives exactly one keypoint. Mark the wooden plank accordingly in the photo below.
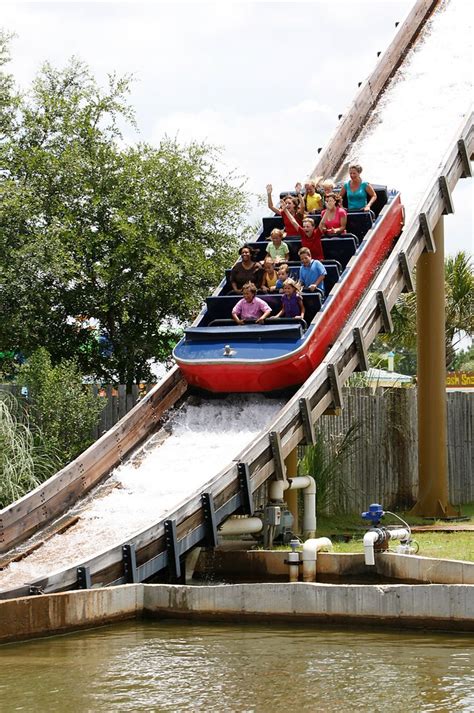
(447, 197)
(308, 426)
(335, 385)
(361, 350)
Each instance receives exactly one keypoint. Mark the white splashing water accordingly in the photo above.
(407, 136)
(204, 439)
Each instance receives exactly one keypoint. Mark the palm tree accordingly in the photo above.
(459, 289)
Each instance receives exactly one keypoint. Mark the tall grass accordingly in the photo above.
(23, 465)
(324, 462)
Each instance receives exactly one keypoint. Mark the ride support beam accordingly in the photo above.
(291, 496)
(433, 493)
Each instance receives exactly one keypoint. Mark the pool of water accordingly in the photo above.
(183, 666)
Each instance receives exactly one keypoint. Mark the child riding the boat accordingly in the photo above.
(291, 301)
(250, 307)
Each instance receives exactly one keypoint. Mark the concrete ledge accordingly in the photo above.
(419, 606)
(424, 569)
(435, 606)
(47, 614)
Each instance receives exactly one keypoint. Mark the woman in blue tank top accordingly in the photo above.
(360, 194)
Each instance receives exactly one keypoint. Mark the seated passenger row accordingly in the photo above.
(247, 270)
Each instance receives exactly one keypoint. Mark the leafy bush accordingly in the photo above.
(324, 462)
(61, 410)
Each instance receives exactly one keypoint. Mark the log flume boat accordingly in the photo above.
(351, 324)
(217, 355)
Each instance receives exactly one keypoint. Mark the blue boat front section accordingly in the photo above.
(257, 344)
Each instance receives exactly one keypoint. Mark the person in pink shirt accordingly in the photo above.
(334, 218)
(250, 307)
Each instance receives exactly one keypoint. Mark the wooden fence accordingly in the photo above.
(383, 466)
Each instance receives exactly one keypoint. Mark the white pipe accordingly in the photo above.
(241, 526)
(293, 566)
(277, 488)
(307, 483)
(373, 536)
(310, 552)
(370, 538)
(400, 533)
(309, 503)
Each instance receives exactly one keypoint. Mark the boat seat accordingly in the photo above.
(220, 306)
(333, 269)
(223, 329)
(340, 249)
(269, 223)
(359, 223)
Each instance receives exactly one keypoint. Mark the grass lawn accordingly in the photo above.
(445, 545)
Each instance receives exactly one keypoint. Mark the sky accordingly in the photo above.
(266, 81)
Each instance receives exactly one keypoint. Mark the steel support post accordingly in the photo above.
(432, 428)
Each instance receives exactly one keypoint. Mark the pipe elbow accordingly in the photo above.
(314, 545)
(310, 552)
(370, 538)
(303, 482)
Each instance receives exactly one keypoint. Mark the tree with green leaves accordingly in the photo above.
(133, 238)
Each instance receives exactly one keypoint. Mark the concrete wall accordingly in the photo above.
(260, 565)
(437, 606)
(44, 615)
(415, 606)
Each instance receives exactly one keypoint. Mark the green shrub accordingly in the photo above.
(324, 462)
(61, 410)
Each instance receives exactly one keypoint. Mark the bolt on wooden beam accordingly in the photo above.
(129, 559)
(83, 578)
(243, 472)
(209, 512)
(172, 549)
(279, 461)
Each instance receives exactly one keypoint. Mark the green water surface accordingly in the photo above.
(182, 666)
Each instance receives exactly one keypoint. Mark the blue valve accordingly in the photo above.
(375, 513)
